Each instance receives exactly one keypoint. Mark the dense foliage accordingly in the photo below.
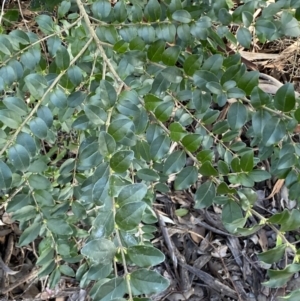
(93, 127)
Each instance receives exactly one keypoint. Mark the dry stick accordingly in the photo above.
(98, 42)
(23, 279)
(44, 96)
(167, 239)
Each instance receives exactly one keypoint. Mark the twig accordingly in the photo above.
(21, 13)
(98, 42)
(23, 279)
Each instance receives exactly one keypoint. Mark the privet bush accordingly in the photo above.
(101, 108)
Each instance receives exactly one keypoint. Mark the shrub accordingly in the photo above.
(95, 125)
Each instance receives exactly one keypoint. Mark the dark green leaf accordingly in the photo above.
(237, 115)
(75, 99)
(121, 161)
(177, 131)
(107, 144)
(192, 142)
(175, 162)
(248, 81)
(186, 178)
(99, 250)
(207, 169)
(273, 131)
(247, 161)
(272, 255)
(29, 234)
(170, 55)
(111, 289)
(153, 10)
(144, 256)
(204, 195)
(5, 176)
(284, 99)
(156, 50)
(19, 157)
(159, 147)
(59, 226)
(132, 193)
(145, 281)
(148, 175)
(244, 37)
(182, 16)
(130, 215)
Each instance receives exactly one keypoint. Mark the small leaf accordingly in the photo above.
(111, 289)
(248, 81)
(62, 58)
(145, 256)
(29, 234)
(170, 55)
(99, 250)
(130, 215)
(107, 144)
(39, 181)
(284, 99)
(66, 270)
(5, 176)
(16, 104)
(156, 50)
(75, 99)
(207, 169)
(273, 255)
(247, 161)
(244, 37)
(164, 111)
(205, 195)
(159, 147)
(101, 9)
(273, 131)
(152, 10)
(59, 226)
(144, 281)
(192, 142)
(132, 193)
(148, 175)
(36, 84)
(121, 161)
(175, 162)
(186, 178)
(39, 127)
(177, 131)
(237, 115)
(279, 278)
(19, 157)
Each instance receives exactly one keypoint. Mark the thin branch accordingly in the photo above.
(98, 42)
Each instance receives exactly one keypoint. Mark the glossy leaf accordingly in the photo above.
(204, 195)
(140, 280)
(121, 161)
(237, 115)
(144, 256)
(99, 250)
